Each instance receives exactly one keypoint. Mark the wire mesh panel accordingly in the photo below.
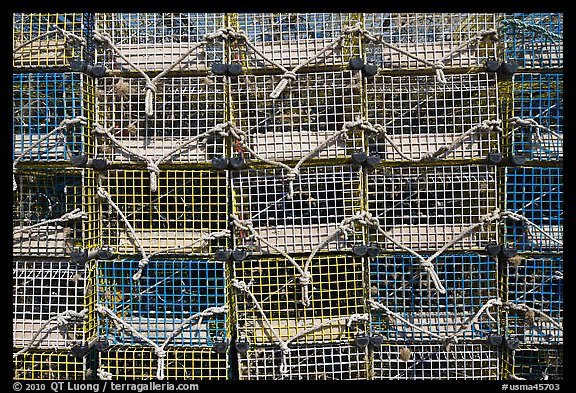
(305, 362)
(537, 283)
(49, 365)
(335, 293)
(184, 108)
(41, 102)
(536, 194)
(140, 363)
(43, 212)
(452, 39)
(44, 41)
(155, 41)
(159, 303)
(311, 110)
(533, 40)
(290, 39)
(537, 362)
(425, 361)
(187, 206)
(424, 208)
(539, 98)
(420, 116)
(323, 196)
(399, 283)
(43, 289)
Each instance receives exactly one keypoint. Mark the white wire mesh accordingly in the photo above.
(539, 362)
(424, 208)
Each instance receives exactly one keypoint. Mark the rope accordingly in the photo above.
(526, 309)
(67, 35)
(70, 216)
(519, 217)
(520, 24)
(104, 375)
(533, 123)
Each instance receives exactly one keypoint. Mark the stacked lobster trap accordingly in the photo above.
(287, 196)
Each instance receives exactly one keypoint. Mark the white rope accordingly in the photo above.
(519, 217)
(67, 35)
(104, 375)
(516, 121)
(70, 216)
(525, 309)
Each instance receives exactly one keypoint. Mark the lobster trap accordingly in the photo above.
(416, 308)
(42, 104)
(422, 119)
(426, 208)
(161, 303)
(156, 41)
(140, 363)
(185, 109)
(451, 39)
(305, 362)
(294, 39)
(322, 197)
(533, 40)
(308, 117)
(188, 206)
(54, 212)
(539, 106)
(276, 307)
(535, 362)
(538, 284)
(53, 303)
(536, 194)
(414, 360)
(50, 41)
(50, 364)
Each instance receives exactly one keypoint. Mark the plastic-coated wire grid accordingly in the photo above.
(399, 284)
(426, 207)
(533, 40)
(336, 290)
(305, 362)
(428, 36)
(41, 101)
(292, 38)
(425, 361)
(323, 197)
(169, 292)
(140, 362)
(537, 283)
(420, 115)
(41, 195)
(535, 362)
(187, 205)
(52, 51)
(154, 41)
(48, 365)
(312, 109)
(539, 97)
(183, 108)
(536, 193)
(43, 288)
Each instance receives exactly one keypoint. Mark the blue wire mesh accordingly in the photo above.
(41, 101)
(537, 283)
(169, 292)
(400, 284)
(537, 362)
(535, 193)
(533, 40)
(539, 97)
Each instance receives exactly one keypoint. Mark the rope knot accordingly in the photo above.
(293, 174)
(357, 28)
(284, 348)
(286, 77)
(150, 86)
(152, 167)
(305, 278)
(160, 353)
(490, 34)
(289, 75)
(439, 67)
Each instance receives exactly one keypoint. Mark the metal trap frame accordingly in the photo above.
(160, 302)
(426, 208)
(274, 306)
(533, 40)
(44, 41)
(536, 282)
(155, 41)
(539, 106)
(50, 364)
(423, 120)
(322, 197)
(309, 116)
(188, 206)
(43, 102)
(418, 311)
(185, 109)
(537, 194)
(451, 39)
(416, 360)
(535, 362)
(133, 362)
(329, 361)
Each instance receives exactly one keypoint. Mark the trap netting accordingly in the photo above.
(50, 364)
(535, 362)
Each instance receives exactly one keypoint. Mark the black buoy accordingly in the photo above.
(517, 160)
(372, 251)
(219, 68)
(361, 340)
(359, 157)
(79, 160)
(238, 255)
(234, 69)
(236, 162)
(493, 249)
(360, 250)
(494, 339)
(356, 63)
(242, 345)
(222, 254)
(220, 162)
(494, 158)
(508, 68)
(369, 70)
(376, 340)
(492, 66)
(509, 252)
